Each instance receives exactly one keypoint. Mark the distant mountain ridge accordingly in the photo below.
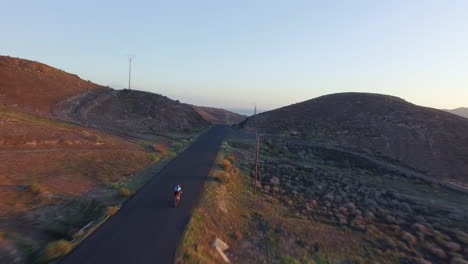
(425, 138)
(461, 111)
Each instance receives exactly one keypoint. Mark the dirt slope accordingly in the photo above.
(461, 111)
(425, 138)
(36, 88)
(48, 169)
(131, 113)
(219, 116)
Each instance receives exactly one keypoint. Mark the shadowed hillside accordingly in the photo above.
(428, 139)
(38, 89)
(219, 116)
(33, 87)
(132, 113)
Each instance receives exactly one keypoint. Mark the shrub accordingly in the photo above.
(176, 146)
(461, 236)
(154, 157)
(58, 249)
(458, 260)
(237, 235)
(163, 149)
(409, 238)
(226, 165)
(436, 251)
(452, 246)
(35, 188)
(111, 210)
(124, 192)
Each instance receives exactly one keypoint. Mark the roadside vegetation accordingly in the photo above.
(320, 205)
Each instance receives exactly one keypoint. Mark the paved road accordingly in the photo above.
(147, 229)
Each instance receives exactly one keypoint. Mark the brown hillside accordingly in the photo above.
(63, 159)
(428, 139)
(33, 87)
(219, 116)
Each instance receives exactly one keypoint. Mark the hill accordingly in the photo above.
(461, 111)
(219, 116)
(427, 139)
(33, 87)
(131, 113)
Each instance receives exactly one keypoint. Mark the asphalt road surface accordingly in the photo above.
(147, 229)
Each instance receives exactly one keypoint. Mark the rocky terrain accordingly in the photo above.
(219, 116)
(433, 141)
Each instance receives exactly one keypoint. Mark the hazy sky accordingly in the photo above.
(233, 53)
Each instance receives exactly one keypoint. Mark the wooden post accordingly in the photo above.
(256, 165)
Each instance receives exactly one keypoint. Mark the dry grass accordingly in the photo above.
(111, 210)
(58, 249)
(35, 188)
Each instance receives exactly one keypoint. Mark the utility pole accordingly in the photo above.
(130, 58)
(256, 151)
(129, 71)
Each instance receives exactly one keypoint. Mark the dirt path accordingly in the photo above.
(147, 229)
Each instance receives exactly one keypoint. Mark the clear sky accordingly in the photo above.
(233, 53)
